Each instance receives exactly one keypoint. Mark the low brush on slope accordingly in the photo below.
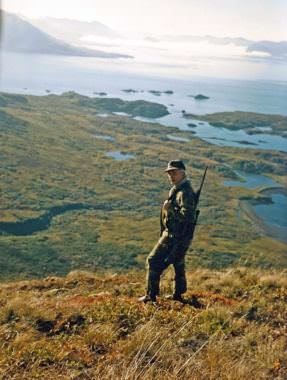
(88, 326)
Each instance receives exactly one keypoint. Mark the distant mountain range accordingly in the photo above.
(238, 41)
(273, 49)
(51, 35)
(21, 36)
(72, 30)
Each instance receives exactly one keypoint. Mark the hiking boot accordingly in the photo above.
(195, 303)
(175, 297)
(147, 298)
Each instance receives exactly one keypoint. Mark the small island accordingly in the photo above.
(100, 93)
(158, 93)
(130, 91)
(244, 142)
(199, 97)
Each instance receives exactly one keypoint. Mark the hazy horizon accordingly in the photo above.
(257, 20)
(161, 51)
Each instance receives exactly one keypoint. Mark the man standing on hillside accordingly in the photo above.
(177, 218)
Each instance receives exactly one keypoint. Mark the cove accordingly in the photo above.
(269, 213)
(250, 181)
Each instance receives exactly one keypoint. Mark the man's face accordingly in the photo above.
(175, 176)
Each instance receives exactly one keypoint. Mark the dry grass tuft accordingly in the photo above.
(88, 326)
(274, 281)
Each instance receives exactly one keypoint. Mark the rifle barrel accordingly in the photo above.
(200, 187)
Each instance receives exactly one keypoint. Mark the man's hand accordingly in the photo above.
(166, 205)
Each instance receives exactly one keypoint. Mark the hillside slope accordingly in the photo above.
(68, 203)
(73, 30)
(22, 37)
(88, 326)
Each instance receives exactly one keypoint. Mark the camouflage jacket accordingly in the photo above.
(179, 218)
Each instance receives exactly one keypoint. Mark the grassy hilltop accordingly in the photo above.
(54, 158)
(86, 326)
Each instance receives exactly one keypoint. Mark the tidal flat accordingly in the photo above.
(50, 159)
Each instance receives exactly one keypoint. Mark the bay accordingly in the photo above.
(42, 74)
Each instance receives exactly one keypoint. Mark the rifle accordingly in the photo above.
(171, 256)
(197, 196)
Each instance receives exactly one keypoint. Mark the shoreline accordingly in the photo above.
(249, 141)
(274, 190)
(278, 233)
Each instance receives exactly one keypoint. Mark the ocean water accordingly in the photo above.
(40, 74)
(223, 136)
(251, 181)
(36, 73)
(275, 213)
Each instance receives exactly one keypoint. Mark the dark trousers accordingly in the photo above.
(158, 261)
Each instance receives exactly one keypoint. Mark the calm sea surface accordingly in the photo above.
(38, 74)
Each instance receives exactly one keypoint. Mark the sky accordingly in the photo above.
(252, 19)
